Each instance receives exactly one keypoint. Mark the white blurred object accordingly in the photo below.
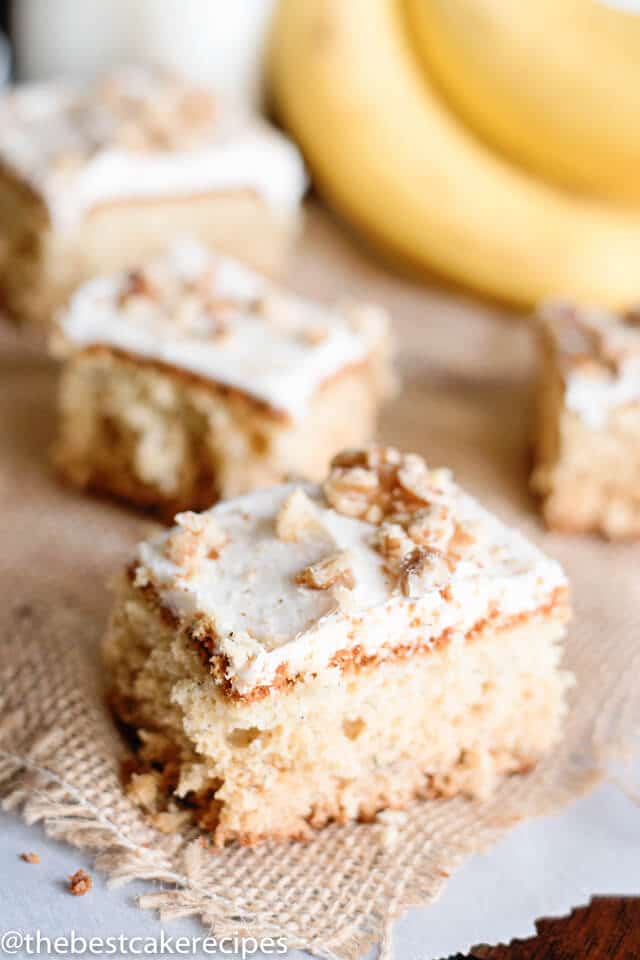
(216, 41)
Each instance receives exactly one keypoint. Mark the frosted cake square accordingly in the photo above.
(96, 179)
(314, 653)
(196, 378)
(587, 469)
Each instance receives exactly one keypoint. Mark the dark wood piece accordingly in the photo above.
(608, 929)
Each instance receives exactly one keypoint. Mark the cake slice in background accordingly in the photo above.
(98, 178)
(587, 469)
(195, 378)
(317, 653)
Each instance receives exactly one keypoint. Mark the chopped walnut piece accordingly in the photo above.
(593, 336)
(30, 857)
(422, 570)
(619, 344)
(138, 284)
(199, 537)
(80, 883)
(331, 571)
(351, 490)
(296, 517)
(378, 483)
(165, 113)
(351, 458)
(392, 542)
(345, 599)
(432, 526)
(414, 477)
(143, 789)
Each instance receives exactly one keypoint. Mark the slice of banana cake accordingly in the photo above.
(314, 653)
(195, 378)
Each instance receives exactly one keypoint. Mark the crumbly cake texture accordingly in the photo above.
(587, 453)
(97, 179)
(196, 378)
(316, 653)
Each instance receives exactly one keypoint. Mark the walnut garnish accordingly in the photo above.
(422, 570)
(432, 526)
(392, 542)
(414, 477)
(138, 284)
(619, 344)
(30, 857)
(378, 483)
(80, 883)
(158, 111)
(333, 570)
(296, 517)
(607, 340)
(199, 537)
(351, 490)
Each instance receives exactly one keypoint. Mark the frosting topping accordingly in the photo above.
(141, 132)
(216, 318)
(599, 358)
(303, 575)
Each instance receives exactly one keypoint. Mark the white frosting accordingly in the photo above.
(599, 359)
(594, 398)
(38, 126)
(269, 358)
(263, 618)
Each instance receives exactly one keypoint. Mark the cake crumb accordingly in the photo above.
(30, 857)
(296, 517)
(80, 883)
(333, 570)
(391, 822)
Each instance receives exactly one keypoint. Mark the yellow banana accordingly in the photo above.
(553, 83)
(389, 155)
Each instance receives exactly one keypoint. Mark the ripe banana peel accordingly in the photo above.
(555, 84)
(390, 155)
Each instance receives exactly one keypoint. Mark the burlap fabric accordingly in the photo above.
(467, 373)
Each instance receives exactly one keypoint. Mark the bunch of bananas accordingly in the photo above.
(495, 142)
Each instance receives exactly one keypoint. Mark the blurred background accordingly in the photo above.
(212, 41)
(491, 144)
